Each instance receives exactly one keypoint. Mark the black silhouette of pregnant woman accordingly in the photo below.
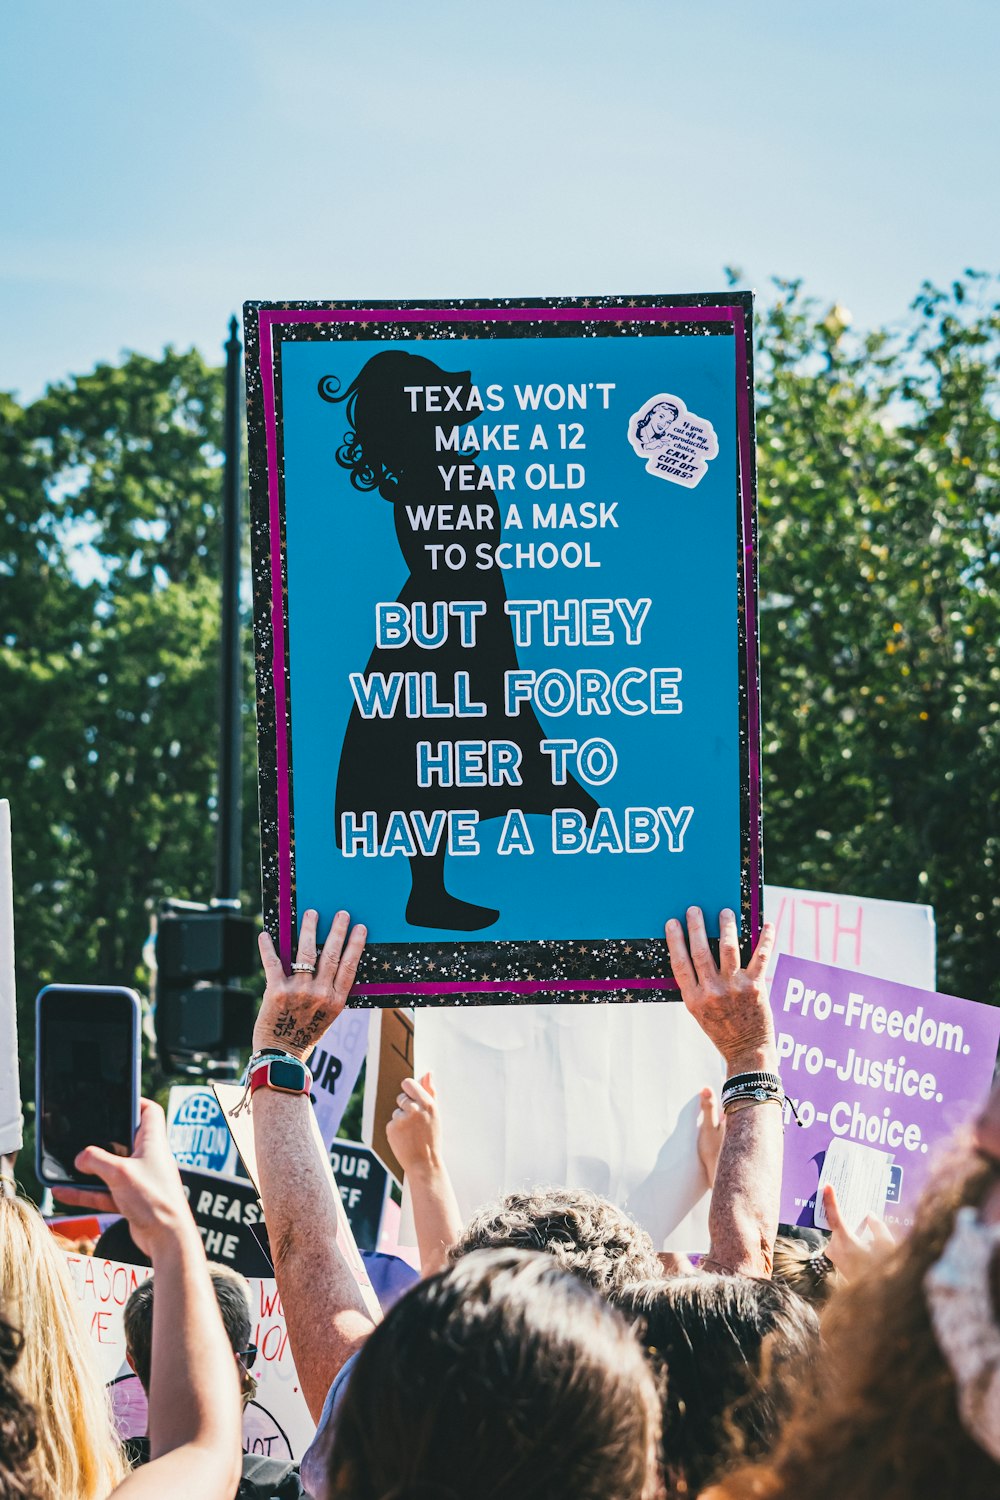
(392, 448)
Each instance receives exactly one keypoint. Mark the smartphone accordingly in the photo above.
(87, 1077)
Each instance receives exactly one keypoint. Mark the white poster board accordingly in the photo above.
(276, 1422)
(606, 1096)
(594, 1096)
(890, 939)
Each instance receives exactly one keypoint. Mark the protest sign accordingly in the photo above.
(335, 1063)
(891, 939)
(229, 1096)
(538, 725)
(593, 1096)
(363, 1182)
(479, 1069)
(10, 1086)
(390, 1060)
(884, 1064)
(230, 1221)
(197, 1130)
(276, 1423)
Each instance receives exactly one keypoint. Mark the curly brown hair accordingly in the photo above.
(587, 1235)
(18, 1433)
(881, 1421)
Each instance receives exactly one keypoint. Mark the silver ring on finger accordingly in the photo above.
(304, 969)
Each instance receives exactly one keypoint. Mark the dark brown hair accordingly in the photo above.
(502, 1378)
(727, 1349)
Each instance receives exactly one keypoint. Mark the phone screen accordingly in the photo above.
(86, 1077)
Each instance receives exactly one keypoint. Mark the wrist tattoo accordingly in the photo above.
(287, 1028)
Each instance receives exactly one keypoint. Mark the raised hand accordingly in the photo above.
(711, 1130)
(729, 1002)
(145, 1187)
(414, 1132)
(298, 1007)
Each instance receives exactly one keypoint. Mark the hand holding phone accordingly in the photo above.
(146, 1186)
(87, 1077)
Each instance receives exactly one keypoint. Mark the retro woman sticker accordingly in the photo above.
(675, 443)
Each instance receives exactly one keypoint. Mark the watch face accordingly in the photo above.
(286, 1073)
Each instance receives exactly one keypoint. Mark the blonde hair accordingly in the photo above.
(78, 1456)
(806, 1271)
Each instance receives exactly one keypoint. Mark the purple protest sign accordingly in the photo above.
(888, 1065)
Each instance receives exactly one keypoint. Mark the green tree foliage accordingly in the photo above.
(879, 461)
(110, 541)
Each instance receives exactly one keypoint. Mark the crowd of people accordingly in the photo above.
(548, 1350)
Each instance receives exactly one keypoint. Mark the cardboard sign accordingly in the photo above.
(538, 725)
(230, 1220)
(335, 1063)
(892, 939)
(10, 1084)
(390, 1060)
(363, 1182)
(887, 1065)
(276, 1423)
(197, 1131)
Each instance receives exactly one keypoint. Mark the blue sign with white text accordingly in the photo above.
(516, 669)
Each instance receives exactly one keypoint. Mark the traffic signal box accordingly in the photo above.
(199, 1013)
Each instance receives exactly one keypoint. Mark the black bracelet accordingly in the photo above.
(752, 1086)
(752, 1080)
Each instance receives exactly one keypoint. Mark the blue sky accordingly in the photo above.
(162, 160)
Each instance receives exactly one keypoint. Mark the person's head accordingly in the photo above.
(584, 1232)
(804, 1269)
(881, 1421)
(726, 1348)
(18, 1428)
(233, 1296)
(78, 1456)
(658, 420)
(502, 1378)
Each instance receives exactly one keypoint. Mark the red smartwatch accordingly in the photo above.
(287, 1075)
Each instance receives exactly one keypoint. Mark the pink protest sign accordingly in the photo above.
(883, 1064)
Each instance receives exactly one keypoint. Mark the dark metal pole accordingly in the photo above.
(230, 806)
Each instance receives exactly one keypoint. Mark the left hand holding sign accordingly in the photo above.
(298, 1007)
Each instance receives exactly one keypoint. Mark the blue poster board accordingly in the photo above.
(506, 635)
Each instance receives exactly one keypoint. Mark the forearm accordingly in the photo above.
(436, 1215)
(325, 1313)
(194, 1398)
(743, 1214)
